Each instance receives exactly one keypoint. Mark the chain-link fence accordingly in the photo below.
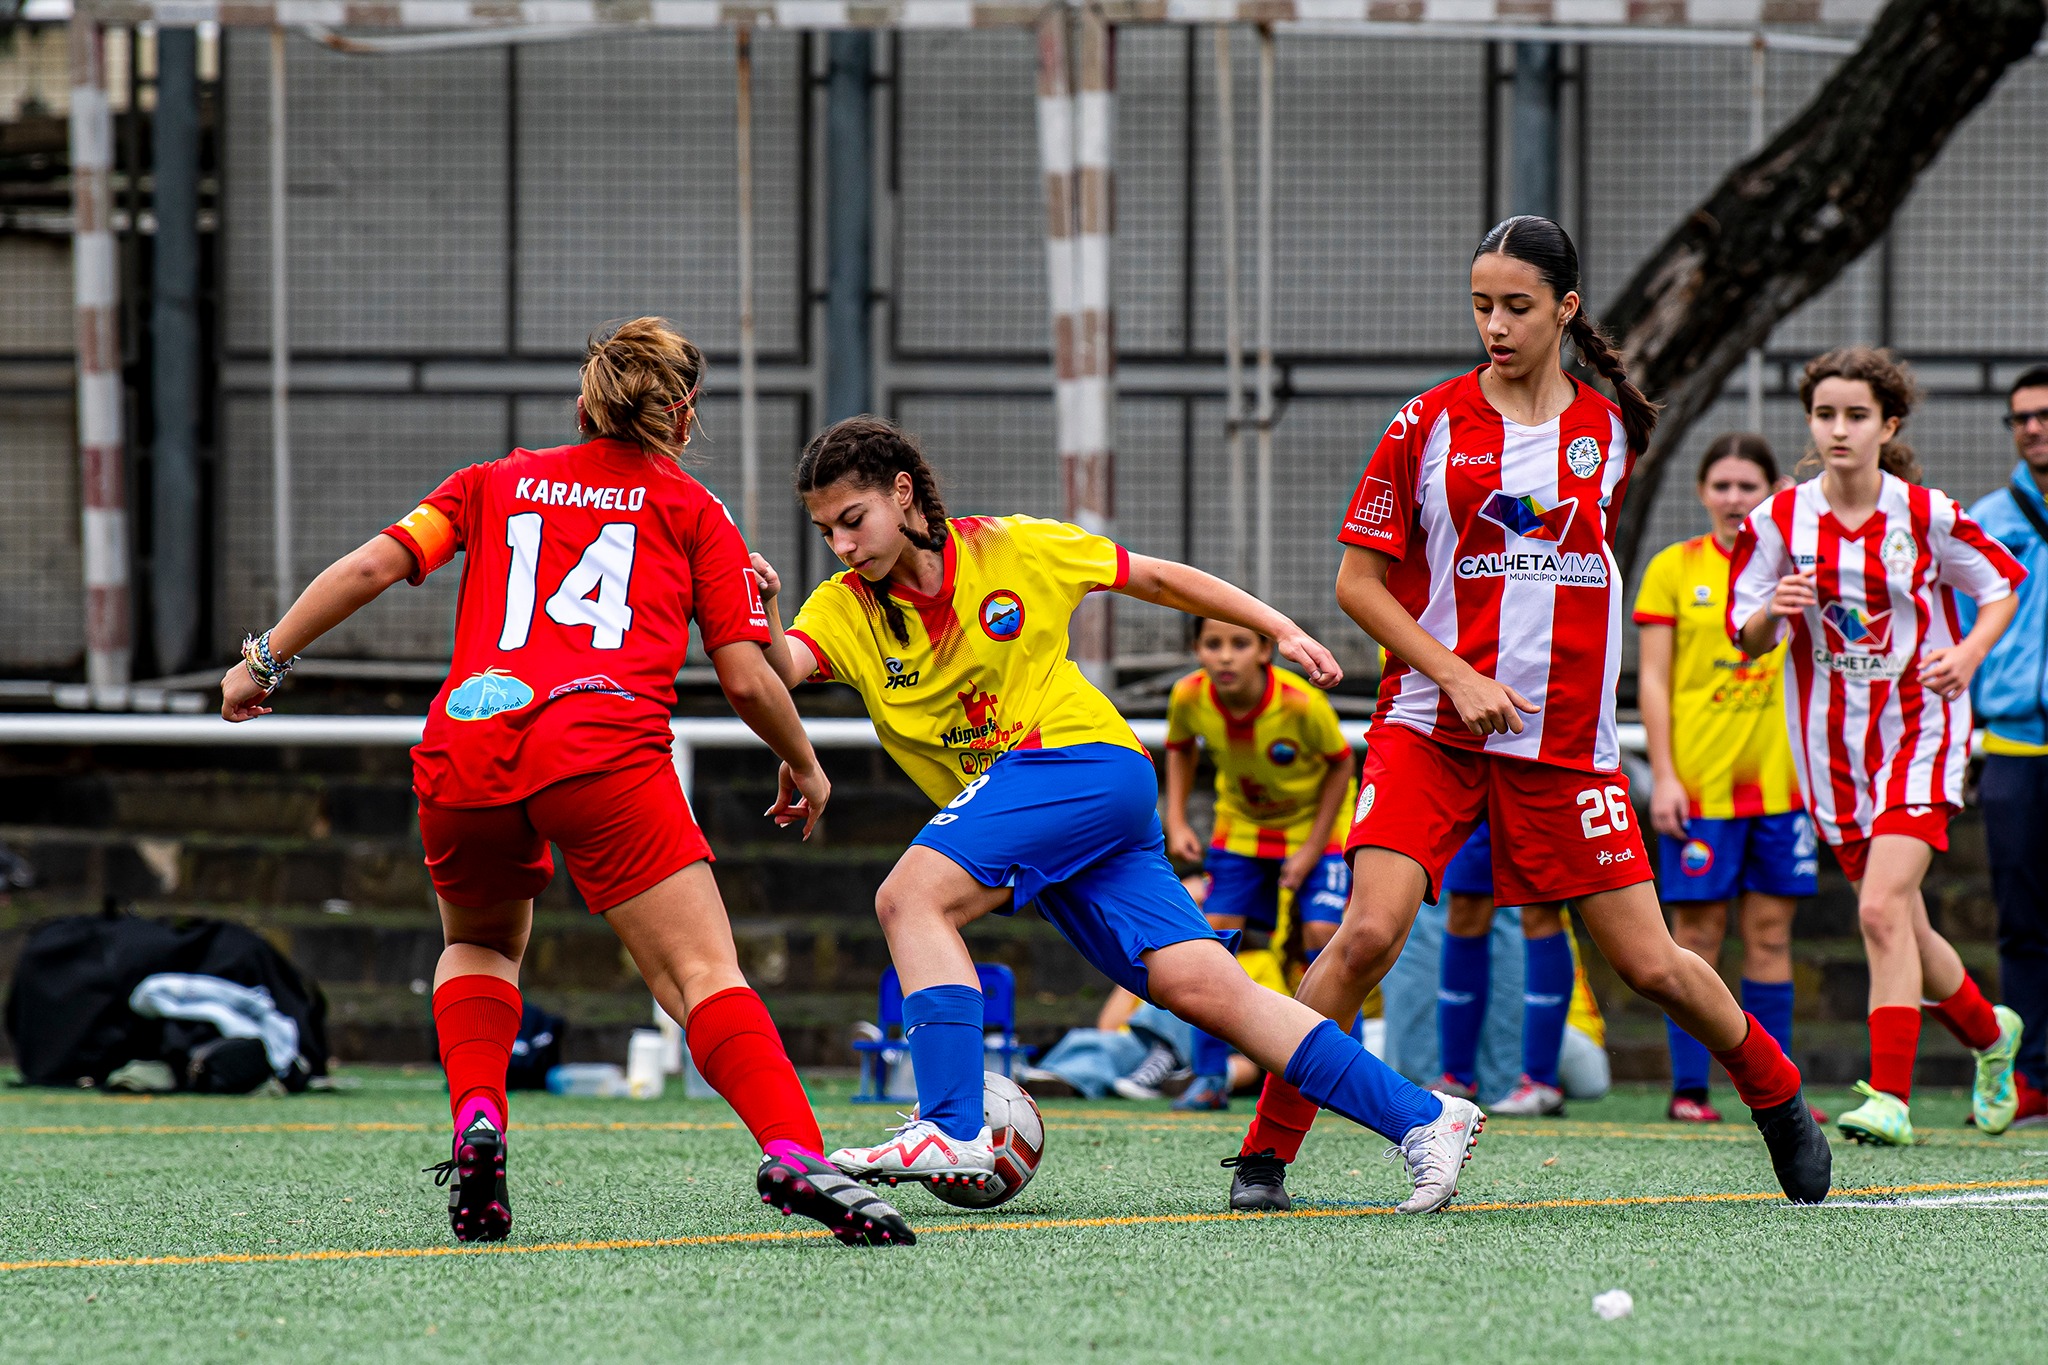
(460, 220)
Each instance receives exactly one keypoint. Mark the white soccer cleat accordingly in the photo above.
(920, 1151)
(1530, 1100)
(1436, 1152)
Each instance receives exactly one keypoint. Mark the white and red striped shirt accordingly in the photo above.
(1866, 736)
(1500, 536)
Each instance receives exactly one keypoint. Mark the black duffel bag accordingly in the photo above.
(68, 1014)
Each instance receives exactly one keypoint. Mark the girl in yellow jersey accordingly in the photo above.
(1283, 778)
(1725, 796)
(954, 632)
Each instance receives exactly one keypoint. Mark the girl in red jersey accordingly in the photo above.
(1865, 563)
(1477, 551)
(585, 567)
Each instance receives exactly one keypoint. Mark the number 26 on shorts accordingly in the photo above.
(1603, 811)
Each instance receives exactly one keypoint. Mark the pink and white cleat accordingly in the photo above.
(921, 1151)
(1437, 1152)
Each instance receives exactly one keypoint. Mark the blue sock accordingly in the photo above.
(942, 1024)
(1688, 1061)
(1338, 1074)
(1771, 1003)
(1546, 1003)
(1211, 1054)
(1467, 979)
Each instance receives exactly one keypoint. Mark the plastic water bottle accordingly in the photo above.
(587, 1080)
(644, 1075)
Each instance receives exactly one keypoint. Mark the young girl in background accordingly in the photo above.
(1863, 564)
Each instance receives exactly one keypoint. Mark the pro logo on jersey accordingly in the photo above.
(1583, 456)
(1899, 553)
(486, 694)
(1697, 858)
(1002, 615)
(1282, 752)
(898, 676)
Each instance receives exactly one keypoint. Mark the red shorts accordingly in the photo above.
(1557, 832)
(620, 831)
(1928, 824)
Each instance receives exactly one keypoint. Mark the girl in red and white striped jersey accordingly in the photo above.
(1478, 552)
(1865, 563)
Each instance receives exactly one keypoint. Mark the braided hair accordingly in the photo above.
(1546, 246)
(872, 451)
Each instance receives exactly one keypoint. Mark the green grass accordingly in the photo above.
(90, 1177)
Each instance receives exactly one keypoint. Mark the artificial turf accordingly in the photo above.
(88, 1177)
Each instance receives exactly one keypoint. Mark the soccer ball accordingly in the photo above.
(1017, 1132)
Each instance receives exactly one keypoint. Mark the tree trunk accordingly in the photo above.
(1784, 224)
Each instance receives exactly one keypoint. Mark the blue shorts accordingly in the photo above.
(1077, 830)
(1240, 884)
(1470, 870)
(1719, 859)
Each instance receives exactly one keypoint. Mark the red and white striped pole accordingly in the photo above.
(96, 289)
(1076, 127)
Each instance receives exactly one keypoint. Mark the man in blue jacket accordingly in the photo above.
(2011, 695)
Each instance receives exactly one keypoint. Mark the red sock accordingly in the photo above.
(1967, 1014)
(1764, 1076)
(736, 1048)
(1894, 1038)
(476, 1019)
(1282, 1121)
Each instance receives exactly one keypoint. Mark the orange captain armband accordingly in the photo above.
(429, 535)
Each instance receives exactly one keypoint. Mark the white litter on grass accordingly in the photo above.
(1615, 1303)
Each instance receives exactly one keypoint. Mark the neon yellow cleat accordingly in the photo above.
(1993, 1098)
(1881, 1119)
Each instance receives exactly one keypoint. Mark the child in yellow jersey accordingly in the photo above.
(1283, 777)
(1725, 795)
(955, 635)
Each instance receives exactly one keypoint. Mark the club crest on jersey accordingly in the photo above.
(899, 676)
(1899, 553)
(489, 693)
(1002, 615)
(1702, 595)
(1282, 752)
(1366, 794)
(1583, 456)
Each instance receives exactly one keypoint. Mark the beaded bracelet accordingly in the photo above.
(264, 667)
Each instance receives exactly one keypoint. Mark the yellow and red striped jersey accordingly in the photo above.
(1270, 761)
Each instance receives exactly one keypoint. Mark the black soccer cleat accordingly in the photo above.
(1799, 1149)
(816, 1189)
(1260, 1182)
(479, 1208)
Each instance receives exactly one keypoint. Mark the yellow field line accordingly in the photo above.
(1012, 1225)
